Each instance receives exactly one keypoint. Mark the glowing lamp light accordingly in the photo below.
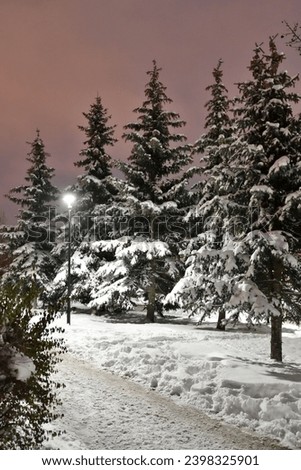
(69, 199)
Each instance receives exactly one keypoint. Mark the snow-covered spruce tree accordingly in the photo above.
(266, 119)
(212, 217)
(207, 217)
(256, 269)
(28, 355)
(96, 206)
(31, 240)
(146, 260)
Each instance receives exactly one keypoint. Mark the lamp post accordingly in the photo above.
(69, 200)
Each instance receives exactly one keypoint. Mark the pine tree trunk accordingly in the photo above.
(221, 316)
(276, 338)
(151, 291)
(276, 322)
(151, 304)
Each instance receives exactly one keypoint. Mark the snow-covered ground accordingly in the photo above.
(226, 374)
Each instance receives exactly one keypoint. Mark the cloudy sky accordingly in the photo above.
(57, 55)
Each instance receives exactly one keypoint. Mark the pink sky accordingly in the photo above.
(56, 55)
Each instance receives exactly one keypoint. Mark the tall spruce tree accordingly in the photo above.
(214, 145)
(267, 119)
(96, 204)
(32, 239)
(146, 260)
(207, 217)
(158, 154)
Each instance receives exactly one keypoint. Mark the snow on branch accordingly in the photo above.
(151, 249)
(281, 162)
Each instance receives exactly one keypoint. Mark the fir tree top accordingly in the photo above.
(217, 120)
(265, 113)
(96, 161)
(156, 153)
(36, 196)
(218, 123)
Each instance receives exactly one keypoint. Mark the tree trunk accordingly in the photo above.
(151, 304)
(151, 291)
(276, 322)
(276, 338)
(221, 316)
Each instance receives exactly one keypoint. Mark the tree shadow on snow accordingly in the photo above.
(289, 372)
(139, 317)
(280, 370)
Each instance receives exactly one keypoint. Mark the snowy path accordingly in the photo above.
(105, 411)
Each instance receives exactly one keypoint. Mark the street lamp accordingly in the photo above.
(69, 199)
